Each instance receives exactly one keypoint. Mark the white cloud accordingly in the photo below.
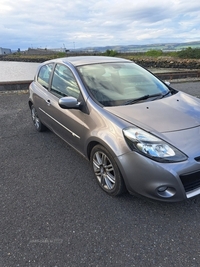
(26, 23)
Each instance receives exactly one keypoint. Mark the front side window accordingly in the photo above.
(64, 82)
(114, 84)
(44, 75)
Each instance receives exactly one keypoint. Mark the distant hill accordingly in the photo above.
(143, 48)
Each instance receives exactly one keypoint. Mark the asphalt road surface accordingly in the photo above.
(53, 213)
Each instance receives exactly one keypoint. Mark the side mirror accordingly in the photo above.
(69, 102)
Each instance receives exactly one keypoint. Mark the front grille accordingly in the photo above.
(190, 181)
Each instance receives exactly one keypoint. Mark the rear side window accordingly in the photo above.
(44, 75)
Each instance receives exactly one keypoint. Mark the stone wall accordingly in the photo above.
(147, 62)
(167, 62)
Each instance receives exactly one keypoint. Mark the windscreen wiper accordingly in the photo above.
(169, 92)
(144, 97)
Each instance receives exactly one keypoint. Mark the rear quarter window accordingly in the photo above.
(44, 75)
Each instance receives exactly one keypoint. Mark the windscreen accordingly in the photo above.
(113, 84)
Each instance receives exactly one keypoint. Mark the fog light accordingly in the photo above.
(165, 191)
(162, 188)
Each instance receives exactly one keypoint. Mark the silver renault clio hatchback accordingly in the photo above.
(139, 134)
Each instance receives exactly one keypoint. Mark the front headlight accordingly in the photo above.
(152, 146)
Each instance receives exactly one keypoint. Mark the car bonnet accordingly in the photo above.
(174, 113)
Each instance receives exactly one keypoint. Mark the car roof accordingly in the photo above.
(86, 60)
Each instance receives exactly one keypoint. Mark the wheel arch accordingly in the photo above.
(92, 143)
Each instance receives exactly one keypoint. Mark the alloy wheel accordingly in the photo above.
(104, 170)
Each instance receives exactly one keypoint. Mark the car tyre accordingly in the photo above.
(40, 127)
(106, 171)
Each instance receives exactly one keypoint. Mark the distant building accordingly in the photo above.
(4, 51)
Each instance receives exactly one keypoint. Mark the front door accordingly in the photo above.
(69, 124)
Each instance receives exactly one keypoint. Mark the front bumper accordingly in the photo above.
(169, 182)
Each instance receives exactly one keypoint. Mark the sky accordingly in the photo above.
(90, 23)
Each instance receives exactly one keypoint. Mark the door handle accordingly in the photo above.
(48, 102)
